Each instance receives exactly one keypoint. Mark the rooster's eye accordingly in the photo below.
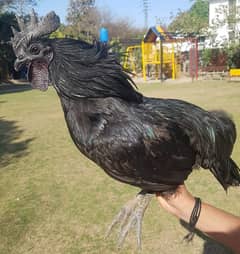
(34, 50)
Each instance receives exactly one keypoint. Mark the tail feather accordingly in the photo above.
(225, 133)
(234, 173)
(227, 173)
(221, 165)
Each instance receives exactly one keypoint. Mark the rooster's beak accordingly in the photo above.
(19, 64)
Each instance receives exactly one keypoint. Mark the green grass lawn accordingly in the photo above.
(55, 201)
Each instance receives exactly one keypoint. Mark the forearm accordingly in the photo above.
(221, 226)
(218, 224)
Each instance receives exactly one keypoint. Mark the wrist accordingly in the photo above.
(180, 203)
(183, 206)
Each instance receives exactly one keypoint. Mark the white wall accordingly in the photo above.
(218, 27)
(218, 10)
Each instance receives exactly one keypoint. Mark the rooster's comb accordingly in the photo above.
(34, 28)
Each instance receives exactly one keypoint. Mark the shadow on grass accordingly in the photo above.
(210, 246)
(9, 146)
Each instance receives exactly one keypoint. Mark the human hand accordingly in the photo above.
(220, 225)
(179, 203)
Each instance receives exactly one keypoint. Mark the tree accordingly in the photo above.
(21, 7)
(59, 33)
(233, 53)
(4, 3)
(214, 57)
(6, 53)
(193, 20)
(83, 18)
(120, 28)
(8, 8)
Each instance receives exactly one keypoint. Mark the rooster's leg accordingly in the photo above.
(131, 215)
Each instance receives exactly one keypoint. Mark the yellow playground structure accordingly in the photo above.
(158, 56)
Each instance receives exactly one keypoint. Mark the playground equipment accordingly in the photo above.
(131, 58)
(157, 55)
(233, 74)
(160, 55)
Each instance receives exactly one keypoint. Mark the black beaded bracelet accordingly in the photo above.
(194, 219)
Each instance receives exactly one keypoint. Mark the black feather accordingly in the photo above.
(150, 143)
(84, 70)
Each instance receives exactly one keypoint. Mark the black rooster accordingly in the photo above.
(150, 143)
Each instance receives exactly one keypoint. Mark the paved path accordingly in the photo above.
(167, 81)
(16, 86)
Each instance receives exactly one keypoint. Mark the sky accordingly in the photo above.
(130, 9)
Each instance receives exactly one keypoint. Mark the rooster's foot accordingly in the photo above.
(131, 215)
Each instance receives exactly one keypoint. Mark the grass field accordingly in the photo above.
(55, 201)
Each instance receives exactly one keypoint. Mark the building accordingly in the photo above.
(224, 22)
